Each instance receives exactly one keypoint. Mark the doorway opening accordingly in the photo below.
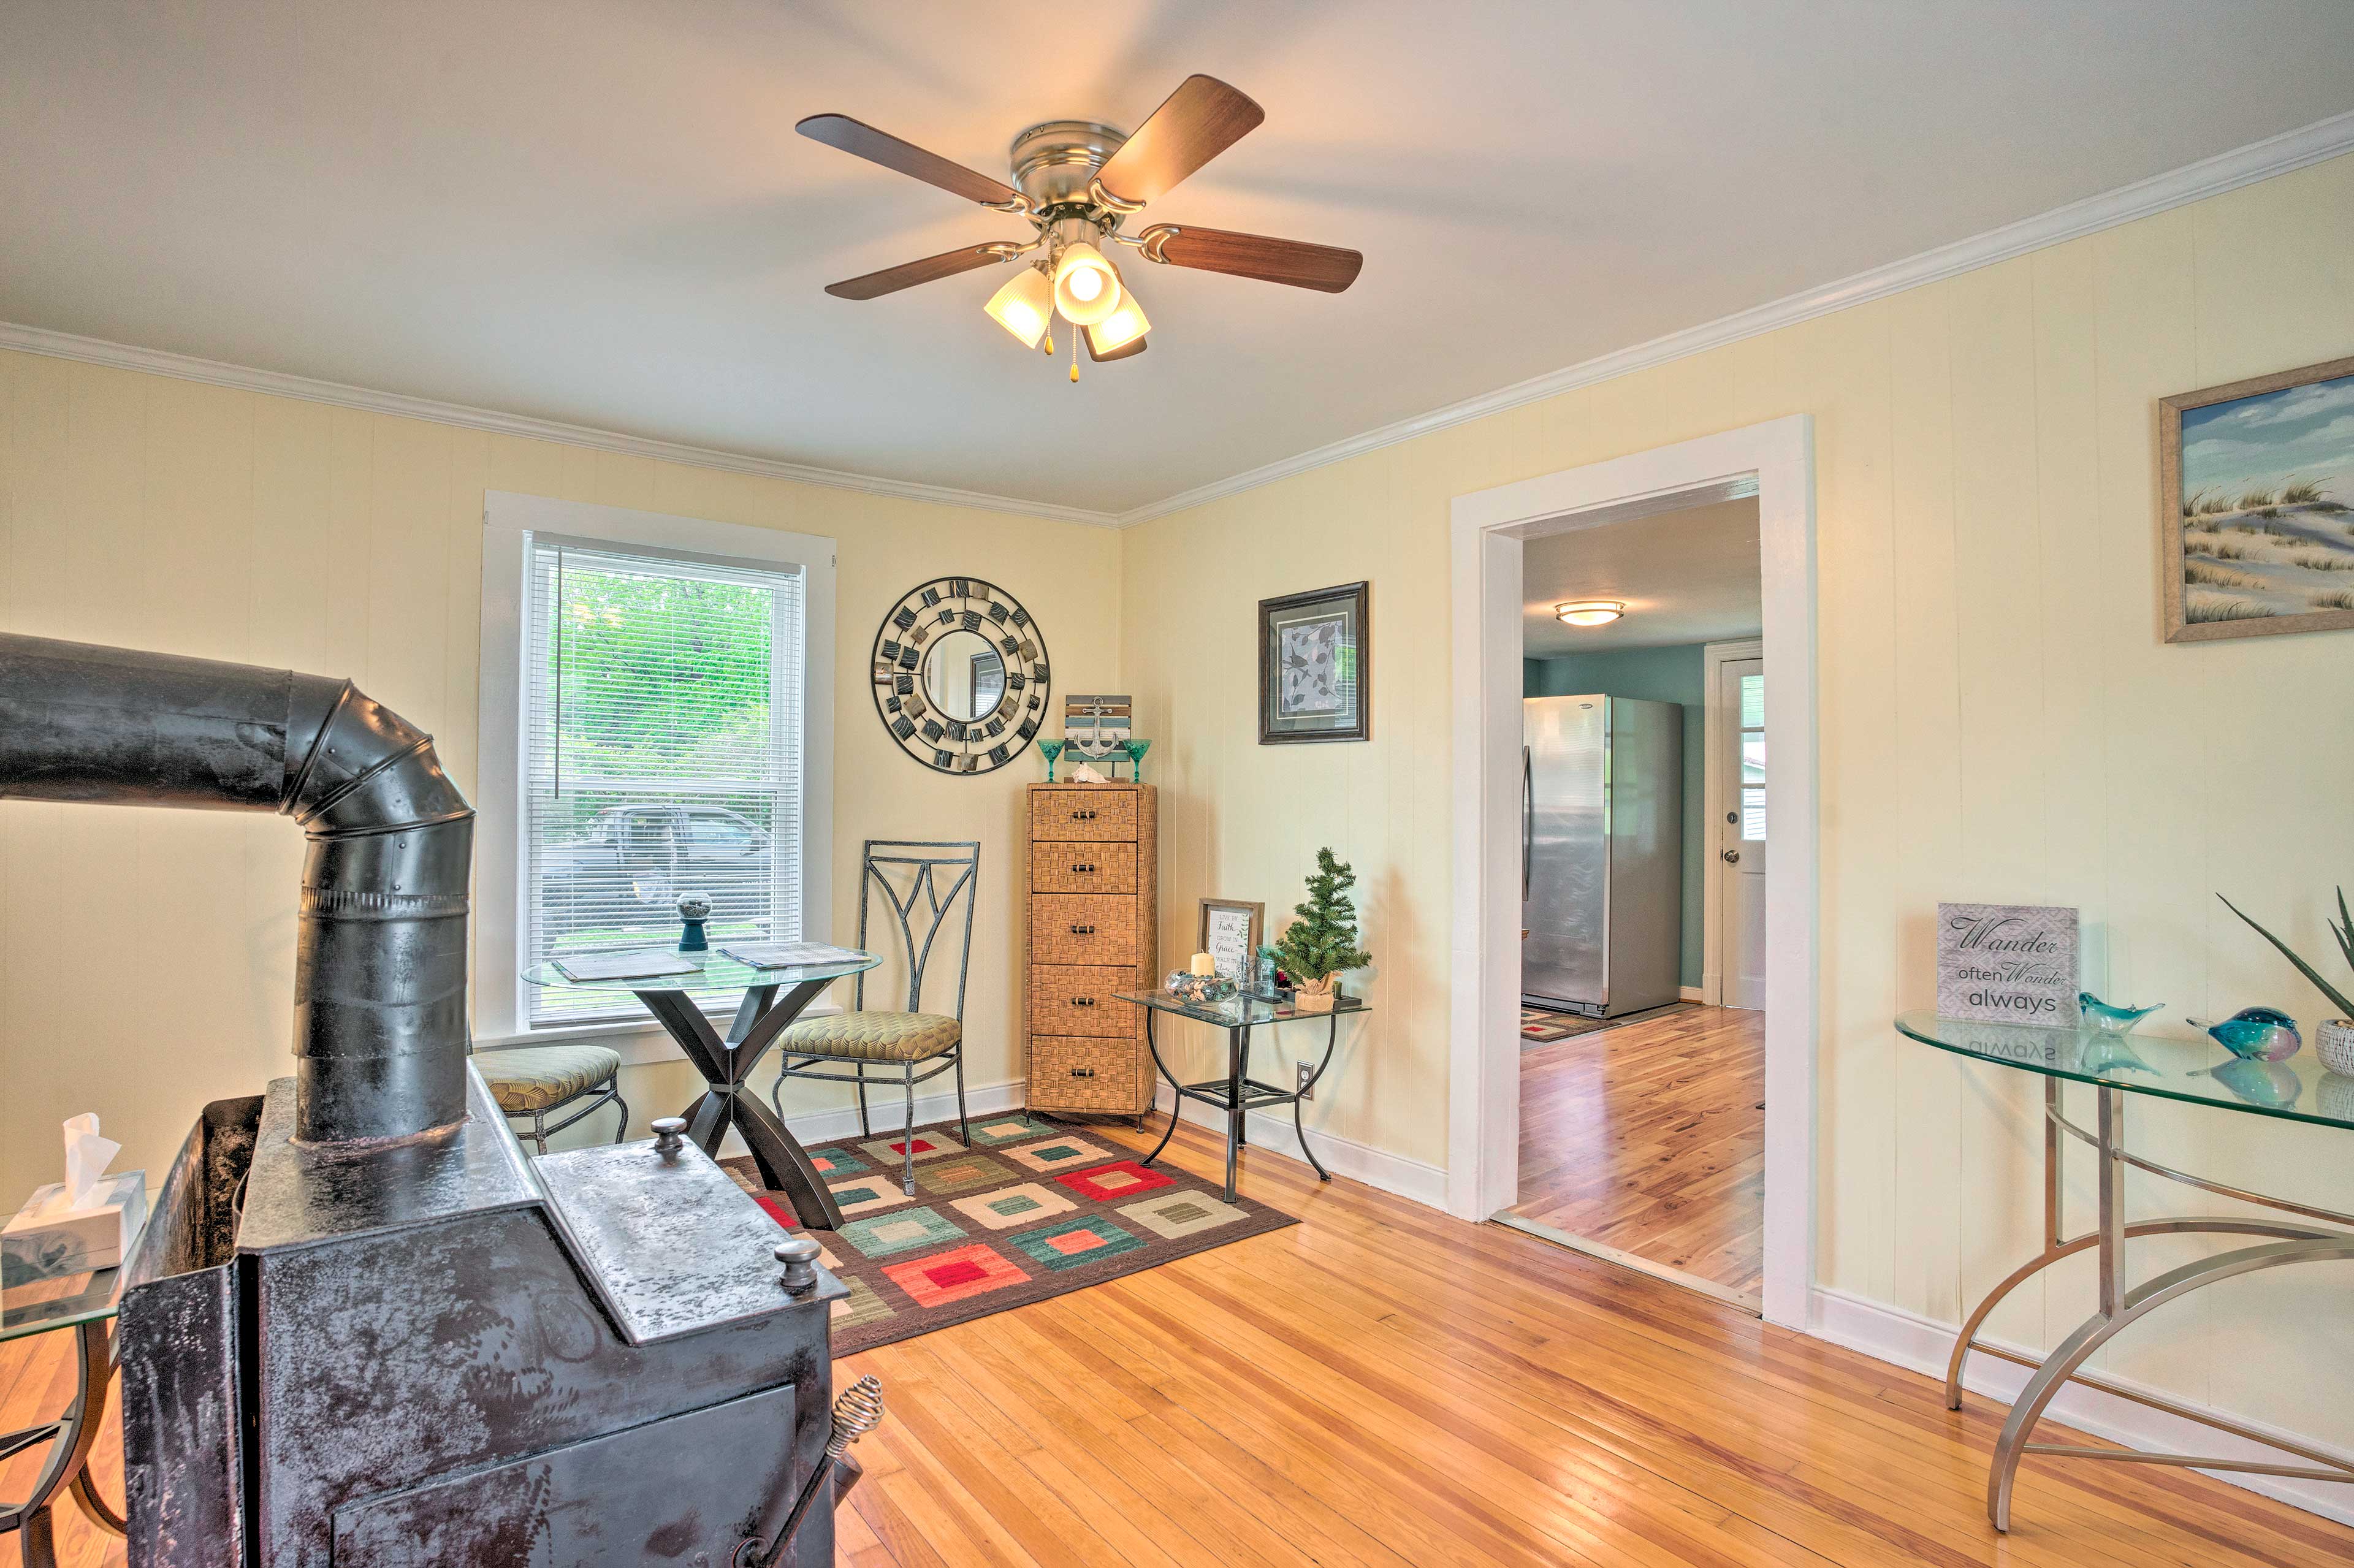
(1637, 506)
(1642, 1067)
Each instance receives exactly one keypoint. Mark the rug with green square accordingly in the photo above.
(1028, 1210)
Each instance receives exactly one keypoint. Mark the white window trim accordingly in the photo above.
(508, 522)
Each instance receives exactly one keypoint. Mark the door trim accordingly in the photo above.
(1775, 462)
(1713, 657)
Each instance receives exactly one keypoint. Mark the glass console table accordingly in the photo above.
(2118, 1067)
(85, 1305)
(725, 1064)
(1238, 1093)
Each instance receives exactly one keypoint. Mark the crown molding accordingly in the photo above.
(278, 384)
(2280, 154)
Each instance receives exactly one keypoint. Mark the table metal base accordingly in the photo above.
(2122, 1305)
(729, 1102)
(70, 1438)
(1238, 1093)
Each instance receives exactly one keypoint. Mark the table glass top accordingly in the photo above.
(2198, 1071)
(713, 970)
(48, 1304)
(1235, 1010)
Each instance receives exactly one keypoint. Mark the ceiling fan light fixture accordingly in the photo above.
(1024, 306)
(1117, 331)
(1086, 289)
(1589, 611)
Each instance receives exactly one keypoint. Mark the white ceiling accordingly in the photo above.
(1685, 577)
(596, 210)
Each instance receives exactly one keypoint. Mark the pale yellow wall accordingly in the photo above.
(2000, 721)
(147, 957)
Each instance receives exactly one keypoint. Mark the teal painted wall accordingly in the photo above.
(1657, 675)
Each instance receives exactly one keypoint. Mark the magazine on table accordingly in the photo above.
(639, 963)
(789, 955)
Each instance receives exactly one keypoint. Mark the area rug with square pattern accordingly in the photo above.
(1028, 1211)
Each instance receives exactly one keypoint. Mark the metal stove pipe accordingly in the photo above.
(380, 1031)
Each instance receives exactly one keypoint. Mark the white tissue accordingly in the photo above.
(87, 1158)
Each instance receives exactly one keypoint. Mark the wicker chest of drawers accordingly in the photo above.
(1094, 867)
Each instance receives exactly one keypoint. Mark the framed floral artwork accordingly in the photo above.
(1315, 665)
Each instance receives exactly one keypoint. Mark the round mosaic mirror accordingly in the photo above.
(960, 675)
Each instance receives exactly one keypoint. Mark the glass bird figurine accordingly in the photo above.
(2255, 1034)
(2108, 1018)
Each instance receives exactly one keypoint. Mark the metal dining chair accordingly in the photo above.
(909, 873)
(540, 1080)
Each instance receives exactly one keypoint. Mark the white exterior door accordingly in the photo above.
(1741, 829)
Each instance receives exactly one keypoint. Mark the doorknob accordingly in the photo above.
(1733, 857)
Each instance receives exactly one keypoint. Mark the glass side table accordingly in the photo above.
(86, 1305)
(725, 1064)
(2119, 1066)
(1238, 1093)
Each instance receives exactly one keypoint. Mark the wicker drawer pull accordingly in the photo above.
(1083, 1002)
(1083, 1072)
(1084, 868)
(1083, 930)
(1084, 816)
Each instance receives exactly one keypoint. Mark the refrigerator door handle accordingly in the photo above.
(1528, 821)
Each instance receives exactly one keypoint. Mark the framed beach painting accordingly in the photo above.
(1315, 665)
(2256, 482)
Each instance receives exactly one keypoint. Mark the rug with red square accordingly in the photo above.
(1029, 1209)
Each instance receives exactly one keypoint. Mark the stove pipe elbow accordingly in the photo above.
(380, 1030)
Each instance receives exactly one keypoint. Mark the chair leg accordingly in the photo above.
(621, 1105)
(964, 1124)
(539, 1130)
(907, 1133)
(866, 1129)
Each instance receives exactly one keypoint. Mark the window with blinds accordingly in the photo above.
(662, 723)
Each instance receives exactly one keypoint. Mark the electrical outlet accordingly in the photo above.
(1306, 1075)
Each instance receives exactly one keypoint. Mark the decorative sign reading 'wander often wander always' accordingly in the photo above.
(2007, 963)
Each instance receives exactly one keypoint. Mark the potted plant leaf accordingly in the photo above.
(1322, 942)
(2334, 1041)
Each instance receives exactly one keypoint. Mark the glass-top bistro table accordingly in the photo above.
(85, 1304)
(725, 1064)
(1238, 1093)
(2119, 1066)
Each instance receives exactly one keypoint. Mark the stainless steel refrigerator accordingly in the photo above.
(1601, 854)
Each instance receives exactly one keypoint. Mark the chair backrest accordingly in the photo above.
(910, 873)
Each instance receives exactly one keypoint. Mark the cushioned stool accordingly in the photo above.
(538, 1079)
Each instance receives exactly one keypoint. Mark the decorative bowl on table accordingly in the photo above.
(2333, 1041)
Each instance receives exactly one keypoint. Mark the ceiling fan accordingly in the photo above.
(1079, 182)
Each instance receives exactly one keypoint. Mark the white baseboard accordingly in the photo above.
(1921, 1344)
(1270, 1134)
(1693, 992)
(887, 1110)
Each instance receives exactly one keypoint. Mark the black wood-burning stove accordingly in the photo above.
(361, 1328)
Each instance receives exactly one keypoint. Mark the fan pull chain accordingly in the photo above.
(1074, 356)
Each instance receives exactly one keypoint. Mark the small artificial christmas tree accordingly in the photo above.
(1322, 942)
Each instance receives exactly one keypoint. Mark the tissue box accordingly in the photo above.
(37, 1245)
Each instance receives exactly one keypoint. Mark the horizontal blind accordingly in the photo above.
(663, 757)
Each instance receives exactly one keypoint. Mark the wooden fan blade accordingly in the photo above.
(1199, 121)
(908, 274)
(1125, 351)
(1303, 266)
(863, 141)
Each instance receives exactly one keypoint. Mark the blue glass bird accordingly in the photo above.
(2108, 1017)
(2255, 1034)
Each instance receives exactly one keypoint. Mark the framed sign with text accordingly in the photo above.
(2008, 963)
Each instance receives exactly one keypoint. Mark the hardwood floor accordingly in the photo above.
(1648, 1138)
(1381, 1384)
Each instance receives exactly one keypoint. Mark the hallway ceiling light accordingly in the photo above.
(1075, 183)
(1589, 611)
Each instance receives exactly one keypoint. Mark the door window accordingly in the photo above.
(1752, 758)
